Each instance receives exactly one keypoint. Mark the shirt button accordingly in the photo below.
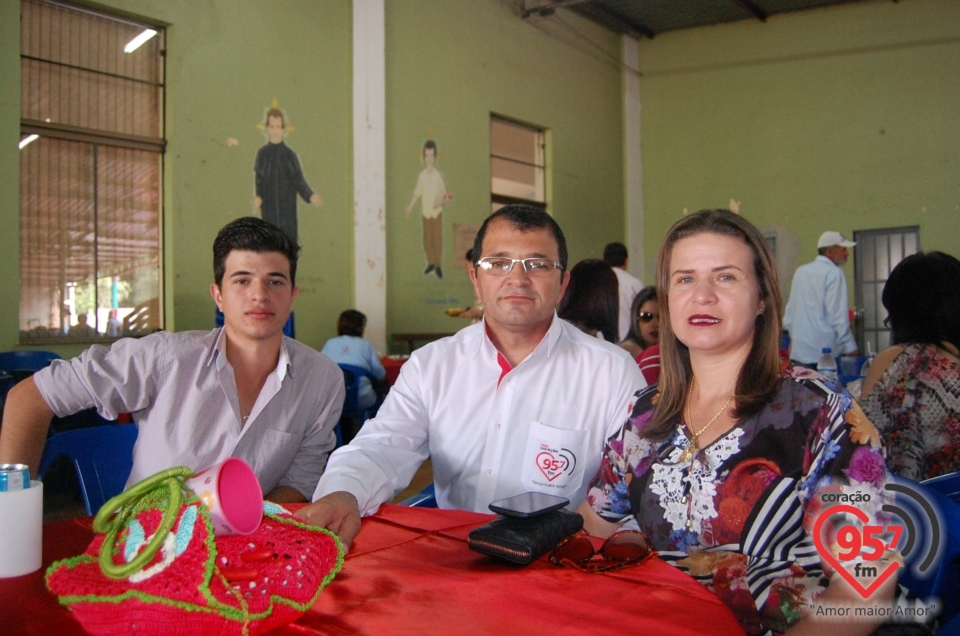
(498, 426)
(489, 472)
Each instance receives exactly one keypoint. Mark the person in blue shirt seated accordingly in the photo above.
(349, 347)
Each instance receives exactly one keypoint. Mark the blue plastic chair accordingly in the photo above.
(946, 485)
(288, 327)
(351, 405)
(426, 498)
(11, 361)
(102, 457)
(943, 582)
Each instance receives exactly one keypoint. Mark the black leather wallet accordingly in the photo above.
(524, 540)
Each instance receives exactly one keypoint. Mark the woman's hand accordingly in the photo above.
(594, 524)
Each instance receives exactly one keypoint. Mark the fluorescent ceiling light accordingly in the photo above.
(26, 140)
(138, 41)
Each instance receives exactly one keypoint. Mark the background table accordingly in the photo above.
(392, 364)
(410, 572)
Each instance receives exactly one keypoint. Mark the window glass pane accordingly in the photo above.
(910, 244)
(516, 161)
(883, 257)
(76, 73)
(868, 258)
(896, 249)
(869, 307)
(90, 203)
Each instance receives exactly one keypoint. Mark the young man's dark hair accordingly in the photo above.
(251, 234)
(524, 218)
(351, 323)
(615, 254)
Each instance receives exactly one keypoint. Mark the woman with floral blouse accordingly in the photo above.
(722, 464)
(912, 392)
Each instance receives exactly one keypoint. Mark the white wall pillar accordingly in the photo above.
(369, 168)
(632, 159)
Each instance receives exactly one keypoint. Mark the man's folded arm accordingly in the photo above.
(386, 453)
(26, 418)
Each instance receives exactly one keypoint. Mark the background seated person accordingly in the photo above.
(349, 347)
(200, 397)
(644, 329)
(912, 392)
(591, 300)
(522, 401)
(718, 464)
(475, 312)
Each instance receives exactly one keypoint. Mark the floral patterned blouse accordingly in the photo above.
(738, 515)
(916, 407)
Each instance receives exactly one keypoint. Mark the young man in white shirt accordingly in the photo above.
(199, 397)
(520, 402)
(615, 255)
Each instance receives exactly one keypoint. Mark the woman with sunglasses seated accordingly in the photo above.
(722, 463)
(644, 330)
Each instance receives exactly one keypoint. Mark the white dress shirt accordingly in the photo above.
(629, 286)
(817, 313)
(539, 427)
(182, 393)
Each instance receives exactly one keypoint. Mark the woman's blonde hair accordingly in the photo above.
(758, 376)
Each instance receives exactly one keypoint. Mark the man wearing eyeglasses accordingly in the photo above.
(522, 401)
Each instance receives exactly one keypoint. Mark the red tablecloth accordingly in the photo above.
(392, 367)
(410, 572)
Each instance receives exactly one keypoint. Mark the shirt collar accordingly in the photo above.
(218, 353)
(549, 342)
(826, 259)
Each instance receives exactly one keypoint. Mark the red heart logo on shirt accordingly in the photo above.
(883, 575)
(552, 466)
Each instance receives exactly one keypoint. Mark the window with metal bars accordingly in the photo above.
(517, 164)
(91, 169)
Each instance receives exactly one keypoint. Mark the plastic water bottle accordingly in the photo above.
(865, 369)
(827, 365)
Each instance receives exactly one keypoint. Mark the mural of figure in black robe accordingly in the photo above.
(279, 179)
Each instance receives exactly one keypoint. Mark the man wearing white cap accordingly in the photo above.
(817, 314)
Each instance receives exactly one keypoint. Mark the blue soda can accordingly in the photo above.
(14, 477)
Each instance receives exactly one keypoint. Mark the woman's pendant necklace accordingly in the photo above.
(693, 447)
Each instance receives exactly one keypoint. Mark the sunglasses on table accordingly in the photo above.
(621, 550)
(645, 316)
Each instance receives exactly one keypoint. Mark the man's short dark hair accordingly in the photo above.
(251, 234)
(524, 218)
(822, 251)
(615, 254)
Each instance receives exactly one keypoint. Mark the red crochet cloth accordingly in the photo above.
(275, 574)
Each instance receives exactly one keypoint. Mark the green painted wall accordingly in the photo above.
(227, 61)
(843, 118)
(9, 172)
(449, 65)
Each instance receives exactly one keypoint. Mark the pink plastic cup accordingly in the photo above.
(231, 492)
